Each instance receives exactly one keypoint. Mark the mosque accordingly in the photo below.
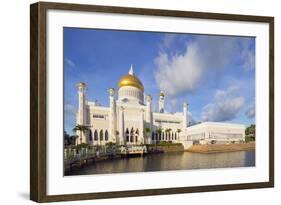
(130, 120)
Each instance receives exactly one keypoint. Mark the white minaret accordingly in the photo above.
(112, 115)
(121, 126)
(148, 109)
(148, 116)
(185, 115)
(161, 102)
(141, 131)
(81, 115)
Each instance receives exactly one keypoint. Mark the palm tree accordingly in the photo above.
(159, 130)
(167, 131)
(178, 131)
(73, 139)
(146, 131)
(81, 129)
(66, 138)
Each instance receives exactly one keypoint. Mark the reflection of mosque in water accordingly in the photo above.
(172, 161)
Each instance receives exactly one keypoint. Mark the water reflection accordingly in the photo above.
(169, 161)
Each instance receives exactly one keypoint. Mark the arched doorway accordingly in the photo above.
(106, 135)
(132, 134)
(96, 136)
(101, 135)
(136, 136)
(127, 135)
(169, 136)
(90, 135)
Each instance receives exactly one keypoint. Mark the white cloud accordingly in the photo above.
(250, 113)
(248, 57)
(69, 109)
(179, 73)
(225, 106)
(168, 41)
(69, 62)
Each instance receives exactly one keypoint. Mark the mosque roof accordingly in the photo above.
(130, 80)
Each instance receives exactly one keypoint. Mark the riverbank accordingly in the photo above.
(220, 148)
(165, 147)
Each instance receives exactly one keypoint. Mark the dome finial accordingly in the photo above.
(131, 71)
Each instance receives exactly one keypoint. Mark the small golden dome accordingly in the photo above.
(81, 84)
(130, 80)
(162, 94)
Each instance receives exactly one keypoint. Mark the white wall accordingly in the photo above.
(14, 104)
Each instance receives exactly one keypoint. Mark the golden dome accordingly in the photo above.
(81, 84)
(130, 80)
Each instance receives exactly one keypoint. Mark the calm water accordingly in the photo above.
(169, 161)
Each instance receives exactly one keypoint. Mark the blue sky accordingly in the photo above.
(214, 74)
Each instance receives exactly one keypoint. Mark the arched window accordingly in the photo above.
(156, 136)
(96, 135)
(163, 136)
(153, 136)
(166, 135)
(90, 135)
(132, 135)
(137, 134)
(169, 135)
(101, 135)
(127, 135)
(172, 136)
(106, 135)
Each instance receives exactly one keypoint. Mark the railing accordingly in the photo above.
(72, 154)
(75, 154)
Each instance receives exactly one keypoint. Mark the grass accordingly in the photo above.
(249, 139)
(169, 144)
(217, 148)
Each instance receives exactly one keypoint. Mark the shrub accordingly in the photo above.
(80, 146)
(249, 139)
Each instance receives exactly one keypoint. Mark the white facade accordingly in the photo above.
(129, 119)
(212, 132)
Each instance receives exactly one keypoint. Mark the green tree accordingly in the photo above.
(81, 129)
(66, 138)
(168, 131)
(251, 131)
(178, 131)
(73, 139)
(159, 130)
(146, 132)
